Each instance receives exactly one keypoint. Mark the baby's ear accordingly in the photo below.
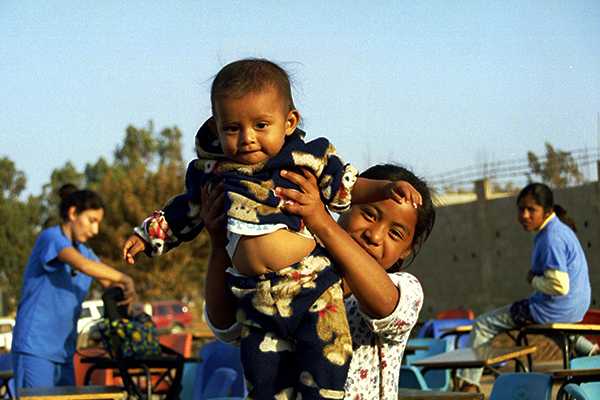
(212, 124)
(293, 118)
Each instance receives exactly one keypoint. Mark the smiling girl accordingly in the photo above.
(369, 244)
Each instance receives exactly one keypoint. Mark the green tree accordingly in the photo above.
(558, 170)
(20, 225)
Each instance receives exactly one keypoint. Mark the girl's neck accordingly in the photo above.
(66, 230)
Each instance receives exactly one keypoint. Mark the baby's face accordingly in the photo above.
(252, 128)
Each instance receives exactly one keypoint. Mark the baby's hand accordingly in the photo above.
(132, 246)
(402, 191)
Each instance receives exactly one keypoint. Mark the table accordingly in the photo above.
(560, 331)
(479, 357)
(5, 376)
(415, 394)
(73, 393)
(574, 376)
(457, 331)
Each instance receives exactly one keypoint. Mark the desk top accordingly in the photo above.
(458, 329)
(73, 393)
(414, 394)
(482, 356)
(565, 373)
(560, 326)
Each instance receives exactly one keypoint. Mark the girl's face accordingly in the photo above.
(531, 215)
(384, 229)
(252, 128)
(85, 225)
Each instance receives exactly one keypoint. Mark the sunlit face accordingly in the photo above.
(252, 128)
(531, 215)
(85, 225)
(384, 229)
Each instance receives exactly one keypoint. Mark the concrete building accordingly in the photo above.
(478, 255)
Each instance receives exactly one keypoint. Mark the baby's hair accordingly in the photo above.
(544, 197)
(425, 212)
(82, 200)
(251, 75)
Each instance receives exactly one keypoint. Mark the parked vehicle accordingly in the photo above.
(92, 312)
(6, 328)
(171, 315)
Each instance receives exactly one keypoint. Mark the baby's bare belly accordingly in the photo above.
(257, 255)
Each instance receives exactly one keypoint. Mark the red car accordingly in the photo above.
(171, 315)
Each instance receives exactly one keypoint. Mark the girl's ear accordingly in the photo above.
(293, 118)
(406, 253)
(72, 213)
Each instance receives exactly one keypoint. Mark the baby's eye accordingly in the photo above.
(230, 129)
(262, 125)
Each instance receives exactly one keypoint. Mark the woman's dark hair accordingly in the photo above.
(544, 197)
(251, 75)
(82, 200)
(425, 212)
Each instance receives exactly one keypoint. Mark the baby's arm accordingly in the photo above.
(177, 222)
(371, 190)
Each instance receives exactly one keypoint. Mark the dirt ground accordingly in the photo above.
(547, 357)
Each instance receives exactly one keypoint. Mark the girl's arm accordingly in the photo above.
(368, 281)
(221, 304)
(96, 269)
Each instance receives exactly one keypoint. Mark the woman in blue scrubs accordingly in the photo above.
(57, 279)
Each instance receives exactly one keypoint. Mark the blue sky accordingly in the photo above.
(434, 85)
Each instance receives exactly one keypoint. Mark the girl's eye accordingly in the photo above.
(368, 215)
(396, 235)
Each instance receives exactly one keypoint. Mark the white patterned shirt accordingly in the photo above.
(378, 344)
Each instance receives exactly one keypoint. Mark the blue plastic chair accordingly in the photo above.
(589, 389)
(576, 392)
(225, 358)
(6, 365)
(220, 383)
(522, 386)
(411, 376)
(436, 328)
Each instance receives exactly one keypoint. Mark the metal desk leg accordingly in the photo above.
(522, 340)
(566, 350)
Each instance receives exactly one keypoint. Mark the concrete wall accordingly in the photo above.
(478, 255)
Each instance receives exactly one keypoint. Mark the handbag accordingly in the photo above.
(123, 335)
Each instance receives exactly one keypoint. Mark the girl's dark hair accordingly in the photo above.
(82, 200)
(544, 197)
(425, 212)
(251, 75)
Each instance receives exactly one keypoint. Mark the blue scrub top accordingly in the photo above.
(557, 247)
(51, 297)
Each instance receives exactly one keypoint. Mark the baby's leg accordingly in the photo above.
(266, 359)
(324, 347)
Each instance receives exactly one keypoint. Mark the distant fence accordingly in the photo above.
(515, 169)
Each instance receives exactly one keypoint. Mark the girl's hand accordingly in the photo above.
(402, 191)
(132, 246)
(305, 202)
(128, 287)
(213, 214)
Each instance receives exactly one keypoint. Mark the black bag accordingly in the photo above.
(123, 335)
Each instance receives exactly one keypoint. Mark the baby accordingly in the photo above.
(296, 337)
